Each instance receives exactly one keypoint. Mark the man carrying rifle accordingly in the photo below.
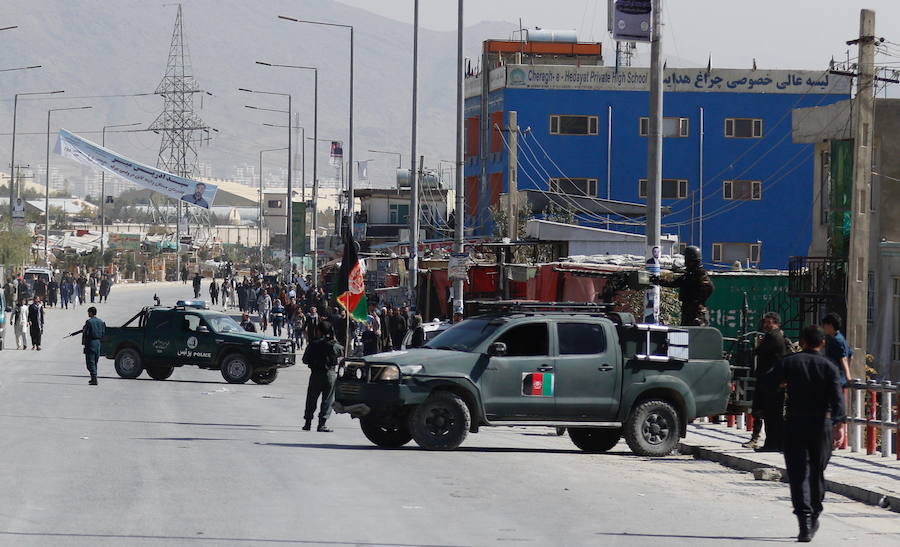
(93, 330)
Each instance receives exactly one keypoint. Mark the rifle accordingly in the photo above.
(79, 331)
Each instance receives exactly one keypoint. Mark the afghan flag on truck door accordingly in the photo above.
(350, 290)
(537, 384)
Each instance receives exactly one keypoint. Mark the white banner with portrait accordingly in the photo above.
(84, 151)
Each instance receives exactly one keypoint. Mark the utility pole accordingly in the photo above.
(654, 163)
(413, 173)
(857, 282)
(460, 197)
(512, 191)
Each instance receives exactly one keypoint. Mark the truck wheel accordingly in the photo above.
(236, 369)
(595, 440)
(653, 428)
(385, 433)
(128, 363)
(441, 422)
(264, 377)
(160, 373)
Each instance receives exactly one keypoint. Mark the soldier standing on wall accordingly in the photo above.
(694, 288)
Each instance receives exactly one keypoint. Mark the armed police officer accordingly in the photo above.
(93, 330)
(321, 356)
(814, 423)
(694, 288)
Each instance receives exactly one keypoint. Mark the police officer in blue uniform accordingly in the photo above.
(93, 331)
(814, 423)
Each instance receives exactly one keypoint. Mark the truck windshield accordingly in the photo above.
(223, 323)
(465, 336)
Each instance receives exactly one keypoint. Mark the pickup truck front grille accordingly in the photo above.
(285, 346)
(349, 389)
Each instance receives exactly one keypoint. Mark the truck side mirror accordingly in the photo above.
(497, 349)
(202, 328)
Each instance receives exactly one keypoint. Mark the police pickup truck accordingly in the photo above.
(598, 374)
(158, 339)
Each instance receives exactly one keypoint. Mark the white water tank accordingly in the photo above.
(550, 35)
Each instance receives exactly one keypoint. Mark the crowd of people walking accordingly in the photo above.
(29, 295)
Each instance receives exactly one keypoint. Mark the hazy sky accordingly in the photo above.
(778, 33)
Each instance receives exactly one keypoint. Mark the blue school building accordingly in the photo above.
(734, 181)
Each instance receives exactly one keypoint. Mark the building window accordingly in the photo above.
(825, 187)
(671, 188)
(672, 127)
(896, 352)
(573, 125)
(870, 297)
(578, 187)
(680, 247)
(743, 128)
(742, 190)
(399, 213)
(728, 253)
(274, 204)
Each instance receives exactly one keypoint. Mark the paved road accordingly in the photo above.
(195, 461)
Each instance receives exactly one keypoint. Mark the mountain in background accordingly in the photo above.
(94, 48)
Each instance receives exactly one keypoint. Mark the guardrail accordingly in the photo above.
(874, 411)
(873, 415)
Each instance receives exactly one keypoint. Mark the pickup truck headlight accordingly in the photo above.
(389, 373)
(411, 369)
(264, 346)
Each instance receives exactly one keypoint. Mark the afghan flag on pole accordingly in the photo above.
(537, 384)
(350, 290)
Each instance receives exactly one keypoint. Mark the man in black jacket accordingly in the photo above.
(768, 401)
(36, 322)
(814, 424)
(321, 356)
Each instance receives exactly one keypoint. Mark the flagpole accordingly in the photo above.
(347, 336)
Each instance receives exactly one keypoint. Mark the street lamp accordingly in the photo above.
(12, 161)
(302, 158)
(398, 154)
(350, 153)
(259, 221)
(315, 197)
(20, 68)
(47, 182)
(103, 187)
(288, 227)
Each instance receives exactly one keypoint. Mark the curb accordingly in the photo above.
(865, 495)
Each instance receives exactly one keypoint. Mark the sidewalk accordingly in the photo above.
(870, 479)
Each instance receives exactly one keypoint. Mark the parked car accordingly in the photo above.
(431, 330)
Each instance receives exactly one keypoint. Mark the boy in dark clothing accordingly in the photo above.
(321, 356)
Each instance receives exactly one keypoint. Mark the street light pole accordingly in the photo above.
(12, 161)
(288, 226)
(103, 188)
(413, 173)
(350, 194)
(259, 220)
(315, 196)
(458, 284)
(47, 182)
(398, 154)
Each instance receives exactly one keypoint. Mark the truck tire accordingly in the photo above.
(236, 368)
(384, 432)
(128, 363)
(652, 428)
(160, 373)
(441, 422)
(594, 440)
(264, 377)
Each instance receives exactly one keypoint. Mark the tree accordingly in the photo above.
(15, 247)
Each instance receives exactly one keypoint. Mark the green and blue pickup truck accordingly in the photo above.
(600, 375)
(158, 339)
